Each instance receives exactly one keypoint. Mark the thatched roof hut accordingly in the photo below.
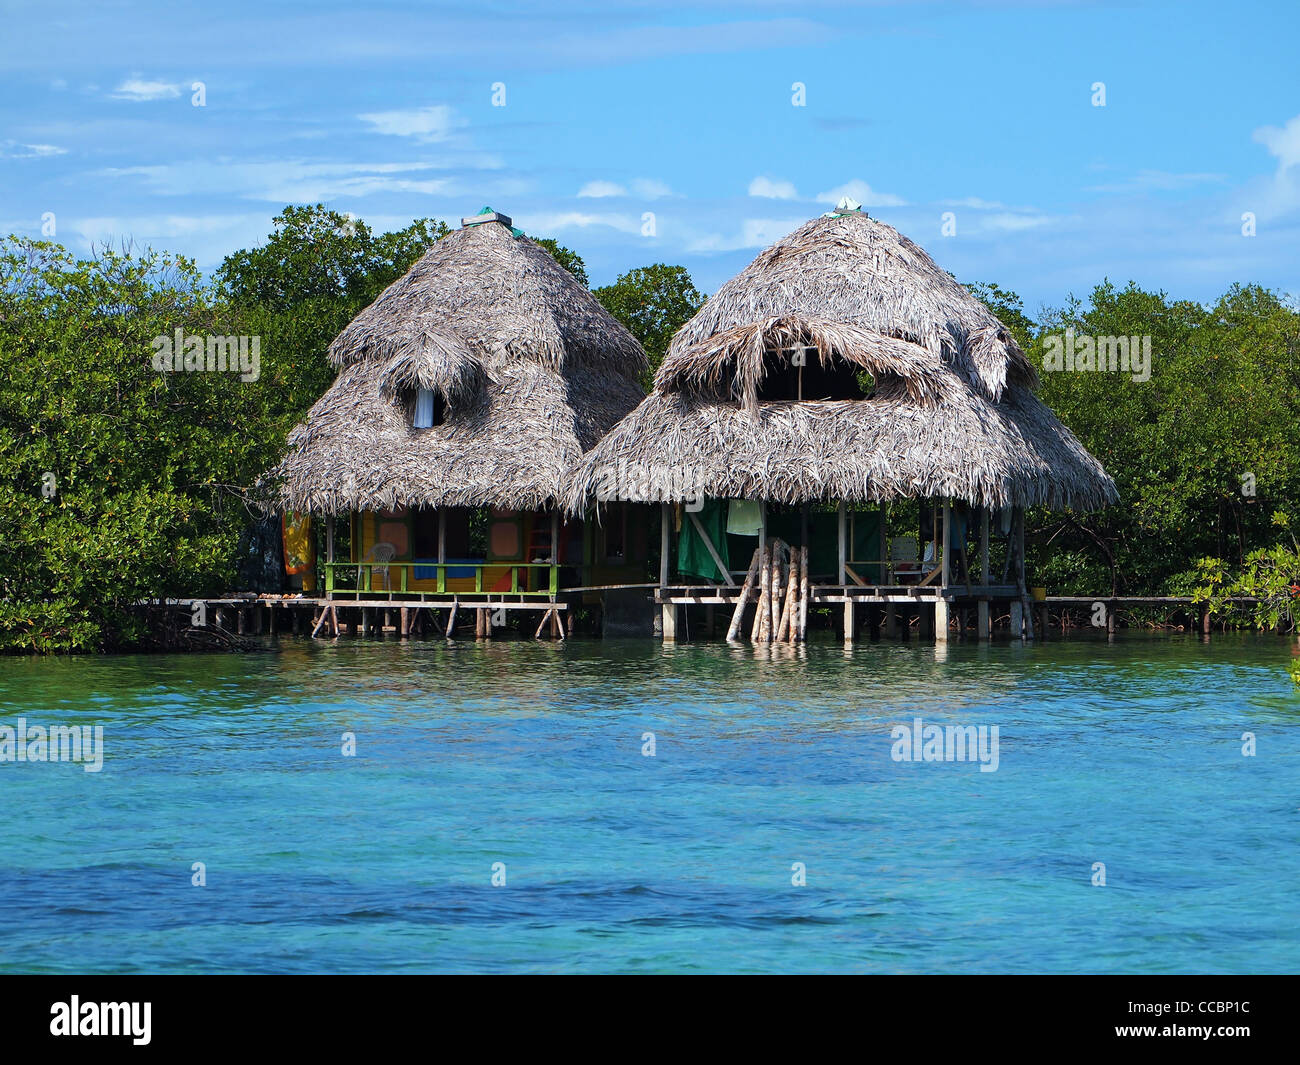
(528, 369)
(948, 408)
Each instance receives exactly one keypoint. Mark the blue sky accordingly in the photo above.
(615, 110)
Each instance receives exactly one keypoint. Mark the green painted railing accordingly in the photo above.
(365, 572)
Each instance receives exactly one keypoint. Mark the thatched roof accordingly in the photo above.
(532, 368)
(953, 411)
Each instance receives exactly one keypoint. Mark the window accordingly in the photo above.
(430, 409)
(783, 380)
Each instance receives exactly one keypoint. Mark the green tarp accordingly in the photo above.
(694, 559)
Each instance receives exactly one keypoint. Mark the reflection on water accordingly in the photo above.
(531, 754)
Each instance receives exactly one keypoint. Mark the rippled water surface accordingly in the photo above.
(530, 755)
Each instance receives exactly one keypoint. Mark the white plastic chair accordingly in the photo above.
(381, 555)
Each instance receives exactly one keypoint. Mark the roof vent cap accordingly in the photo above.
(486, 215)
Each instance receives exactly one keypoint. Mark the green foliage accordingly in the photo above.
(318, 257)
(653, 302)
(1270, 576)
(141, 466)
(1215, 421)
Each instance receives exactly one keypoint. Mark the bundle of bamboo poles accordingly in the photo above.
(780, 573)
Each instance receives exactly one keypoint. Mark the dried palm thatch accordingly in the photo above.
(532, 370)
(953, 412)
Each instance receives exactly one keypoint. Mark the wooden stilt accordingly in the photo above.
(784, 633)
(324, 616)
(850, 620)
(746, 593)
(803, 593)
(670, 622)
(982, 628)
(774, 600)
(405, 628)
(764, 580)
(451, 620)
(941, 620)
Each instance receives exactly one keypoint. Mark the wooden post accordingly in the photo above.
(663, 550)
(270, 617)
(406, 623)
(982, 627)
(940, 603)
(451, 621)
(803, 593)
(774, 602)
(843, 578)
(670, 622)
(762, 525)
(1028, 631)
(764, 580)
(850, 619)
(886, 577)
(784, 631)
(1017, 620)
(984, 546)
(746, 591)
(945, 575)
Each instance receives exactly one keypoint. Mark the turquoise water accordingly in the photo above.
(530, 754)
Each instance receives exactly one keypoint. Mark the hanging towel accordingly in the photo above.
(744, 518)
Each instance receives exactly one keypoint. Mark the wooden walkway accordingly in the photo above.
(255, 615)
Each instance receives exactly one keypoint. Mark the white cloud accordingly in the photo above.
(645, 188)
(1282, 143)
(14, 150)
(859, 190)
(754, 233)
(288, 182)
(1158, 181)
(138, 89)
(1013, 223)
(601, 189)
(650, 188)
(206, 238)
(975, 203)
(550, 223)
(772, 190)
(427, 125)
